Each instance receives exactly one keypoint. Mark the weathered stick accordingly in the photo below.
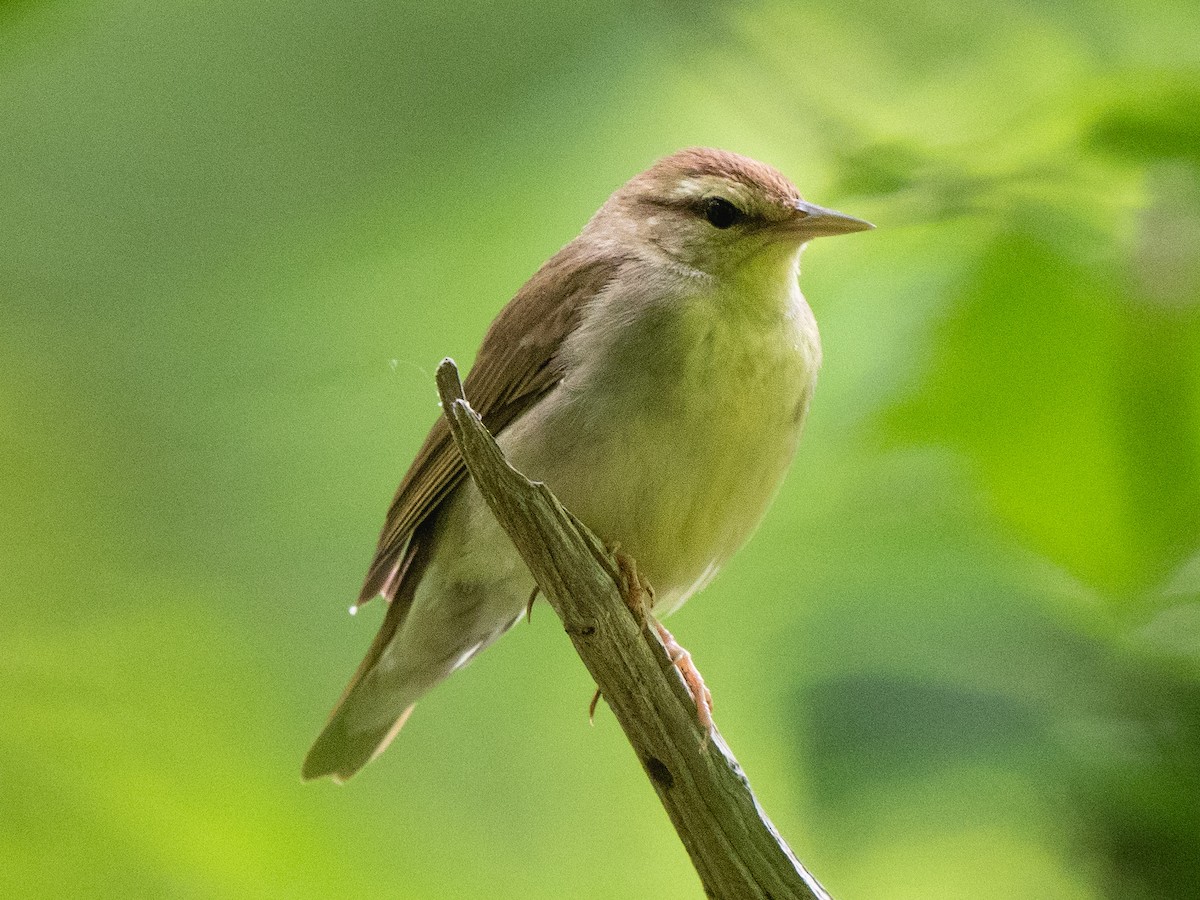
(734, 847)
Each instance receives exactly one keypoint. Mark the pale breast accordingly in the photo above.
(672, 440)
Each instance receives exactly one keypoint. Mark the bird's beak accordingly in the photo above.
(817, 221)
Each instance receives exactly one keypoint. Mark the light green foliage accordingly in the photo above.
(960, 659)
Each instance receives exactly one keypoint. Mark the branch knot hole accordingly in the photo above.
(658, 771)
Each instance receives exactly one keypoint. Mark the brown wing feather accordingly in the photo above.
(517, 363)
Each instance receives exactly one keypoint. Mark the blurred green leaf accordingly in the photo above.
(1152, 119)
(1075, 403)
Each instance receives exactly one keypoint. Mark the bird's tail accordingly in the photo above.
(371, 711)
(343, 747)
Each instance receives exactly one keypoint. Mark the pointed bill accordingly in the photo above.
(817, 221)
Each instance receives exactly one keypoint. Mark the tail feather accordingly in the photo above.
(344, 746)
(340, 751)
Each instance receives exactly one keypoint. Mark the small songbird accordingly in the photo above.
(655, 374)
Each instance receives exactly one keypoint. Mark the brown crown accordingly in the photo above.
(701, 161)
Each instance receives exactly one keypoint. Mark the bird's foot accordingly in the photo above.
(692, 678)
(529, 605)
(636, 591)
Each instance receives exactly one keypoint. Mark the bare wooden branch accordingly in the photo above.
(734, 847)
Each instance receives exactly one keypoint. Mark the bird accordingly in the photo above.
(655, 374)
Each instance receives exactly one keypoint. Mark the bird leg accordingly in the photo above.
(692, 678)
(639, 597)
(636, 591)
(529, 605)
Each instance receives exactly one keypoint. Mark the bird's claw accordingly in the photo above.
(636, 591)
(638, 595)
(692, 679)
(529, 605)
(592, 706)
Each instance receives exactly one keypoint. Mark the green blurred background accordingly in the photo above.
(961, 659)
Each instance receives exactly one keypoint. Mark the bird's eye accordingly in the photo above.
(720, 213)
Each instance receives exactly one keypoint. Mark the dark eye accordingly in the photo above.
(720, 213)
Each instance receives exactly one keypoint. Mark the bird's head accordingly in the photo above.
(718, 212)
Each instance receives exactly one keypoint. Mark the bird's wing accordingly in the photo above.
(517, 363)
